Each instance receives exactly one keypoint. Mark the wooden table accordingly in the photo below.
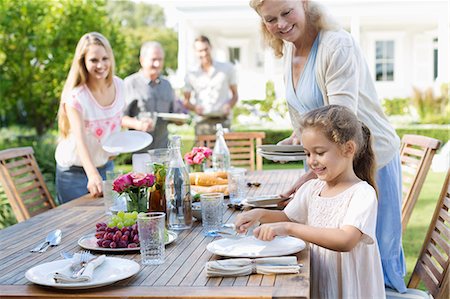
(181, 276)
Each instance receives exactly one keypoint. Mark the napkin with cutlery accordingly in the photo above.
(66, 275)
(246, 266)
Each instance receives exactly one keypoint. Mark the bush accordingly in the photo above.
(432, 109)
(397, 106)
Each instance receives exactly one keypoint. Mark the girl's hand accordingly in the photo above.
(268, 232)
(246, 219)
(95, 185)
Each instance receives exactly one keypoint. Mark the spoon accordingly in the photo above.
(51, 235)
(54, 241)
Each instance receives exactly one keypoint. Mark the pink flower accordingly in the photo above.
(198, 159)
(197, 155)
(132, 182)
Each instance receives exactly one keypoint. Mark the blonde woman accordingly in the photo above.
(90, 110)
(324, 66)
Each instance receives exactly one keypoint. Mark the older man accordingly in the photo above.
(148, 93)
(212, 86)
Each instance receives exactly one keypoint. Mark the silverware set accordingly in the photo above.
(79, 261)
(52, 239)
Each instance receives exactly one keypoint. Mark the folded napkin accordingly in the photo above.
(65, 275)
(246, 266)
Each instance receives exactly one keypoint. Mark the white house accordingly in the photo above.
(406, 43)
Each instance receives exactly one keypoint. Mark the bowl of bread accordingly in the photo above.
(209, 182)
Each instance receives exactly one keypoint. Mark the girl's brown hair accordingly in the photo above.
(340, 125)
(78, 74)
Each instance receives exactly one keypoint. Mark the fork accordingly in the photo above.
(79, 267)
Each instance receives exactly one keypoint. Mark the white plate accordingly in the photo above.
(127, 142)
(281, 148)
(252, 247)
(265, 200)
(282, 158)
(282, 153)
(111, 270)
(178, 117)
(90, 242)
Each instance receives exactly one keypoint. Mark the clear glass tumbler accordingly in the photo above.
(212, 213)
(151, 228)
(111, 197)
(236, 184)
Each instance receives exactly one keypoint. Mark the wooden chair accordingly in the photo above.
(432, 266)
(416, 154)
(242, 146)
(23, 183)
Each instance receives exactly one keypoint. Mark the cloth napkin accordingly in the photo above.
(65, 275)
(246, 266)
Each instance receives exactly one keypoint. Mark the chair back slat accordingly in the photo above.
(433, 263)
(23, 183)
(416, 154)
(242, 146)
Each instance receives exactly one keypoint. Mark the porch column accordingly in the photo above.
(443, 49)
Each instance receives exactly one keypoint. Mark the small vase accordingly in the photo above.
(138, 200)
(197, 167)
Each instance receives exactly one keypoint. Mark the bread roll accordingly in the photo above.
(206, 179)
(210, 189)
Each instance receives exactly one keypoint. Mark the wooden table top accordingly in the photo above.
(182, 275)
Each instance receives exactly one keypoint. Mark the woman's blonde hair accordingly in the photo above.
(316, 15)
(78, 74)
(340, 125)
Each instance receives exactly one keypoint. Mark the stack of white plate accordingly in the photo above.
(282, 152)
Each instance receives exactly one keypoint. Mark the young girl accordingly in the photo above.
(337, 212)
(90, 110)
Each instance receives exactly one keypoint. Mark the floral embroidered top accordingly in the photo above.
(99, 121)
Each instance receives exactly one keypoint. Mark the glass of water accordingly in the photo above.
(212, 213)
(110, 196)
(151, 228)
(236, 184)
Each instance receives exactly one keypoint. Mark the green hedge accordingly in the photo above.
(439, 132)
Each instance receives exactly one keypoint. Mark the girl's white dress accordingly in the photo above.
(360, 269)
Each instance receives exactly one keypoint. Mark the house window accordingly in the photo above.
(384, 60)
(435, 58)
(234, 54)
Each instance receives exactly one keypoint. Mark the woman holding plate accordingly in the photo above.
(324, 66)
(91, 109)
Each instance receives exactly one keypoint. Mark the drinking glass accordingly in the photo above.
(149, 117)
(159, 162)
(212, 213)
(110, 197)
(236, 184)
(151, 228)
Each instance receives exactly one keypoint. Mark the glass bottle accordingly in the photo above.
(178, 189)
(221, 153)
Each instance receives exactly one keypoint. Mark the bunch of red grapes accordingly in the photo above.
(114, 237)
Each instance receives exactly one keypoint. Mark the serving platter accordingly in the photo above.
(89, 242)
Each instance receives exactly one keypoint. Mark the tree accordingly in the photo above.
(141, 22)
(37, 44)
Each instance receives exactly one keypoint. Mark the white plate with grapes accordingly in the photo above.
(118, 235)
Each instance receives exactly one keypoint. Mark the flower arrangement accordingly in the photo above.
(135, 185)
(198, 155)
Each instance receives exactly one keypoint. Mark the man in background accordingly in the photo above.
(210, 90)
(148, 93)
